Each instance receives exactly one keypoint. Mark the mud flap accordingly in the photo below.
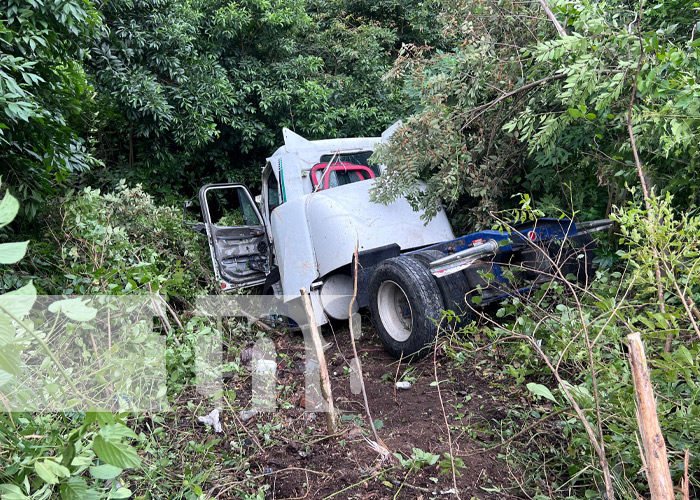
(367, 259)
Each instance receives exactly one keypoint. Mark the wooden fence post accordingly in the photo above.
(658, 473)
(321, 357)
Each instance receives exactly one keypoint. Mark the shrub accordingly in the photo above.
(562, 324)
(118, 243)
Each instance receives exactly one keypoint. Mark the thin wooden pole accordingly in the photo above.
(658, 473)
(553, 18)
(321, 358)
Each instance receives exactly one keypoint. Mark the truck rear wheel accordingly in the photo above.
(406, 306)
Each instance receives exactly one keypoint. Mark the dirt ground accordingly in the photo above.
(290, 450)
(411, 418)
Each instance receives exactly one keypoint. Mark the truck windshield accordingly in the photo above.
(361, 158)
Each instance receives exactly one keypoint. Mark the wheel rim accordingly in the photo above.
(394, 311)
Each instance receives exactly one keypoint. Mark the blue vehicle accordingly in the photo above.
(407, 292)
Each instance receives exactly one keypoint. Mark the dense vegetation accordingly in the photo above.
(112, 113)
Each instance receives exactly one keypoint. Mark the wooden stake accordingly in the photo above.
(685, 483)
(658, 473)
(321, 358)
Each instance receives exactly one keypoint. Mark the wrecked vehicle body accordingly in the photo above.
(315, 209)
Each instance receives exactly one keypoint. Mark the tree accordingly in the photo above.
(519, 108)
(43, 94)
(200, 91)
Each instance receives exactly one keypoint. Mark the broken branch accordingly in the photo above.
(552, 17)
(383, 448)
(321, 357)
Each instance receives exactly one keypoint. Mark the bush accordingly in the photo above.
(70, 443)
(561, 324)
(118, 243)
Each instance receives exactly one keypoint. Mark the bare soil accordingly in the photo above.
(411, 418)
(290, 449)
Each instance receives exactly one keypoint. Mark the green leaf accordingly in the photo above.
(105, 471)
(74, 489)
(57, 468)
(5, 377)
(10, 360)
(75, 309)
(9, 206)
(117, 454)
(114, 432)
(7, 331)
(11, 492)
(68, 454)
(12, 252)
(121, 493)
(46, 472)
(19, 302)
(683, 354)
(541, 390)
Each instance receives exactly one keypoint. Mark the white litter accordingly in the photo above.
(213, 420)
(403, 385)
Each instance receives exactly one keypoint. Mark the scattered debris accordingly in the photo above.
(379, 448)
(266, 367)
(354, 433)
(403, 385)
(212, 420)
(246, 415)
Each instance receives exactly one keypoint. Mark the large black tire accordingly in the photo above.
(406, 306)
(454, 288)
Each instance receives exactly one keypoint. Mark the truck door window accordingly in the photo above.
(273, 192)
(231, 208)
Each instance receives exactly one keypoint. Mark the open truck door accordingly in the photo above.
(238, 242)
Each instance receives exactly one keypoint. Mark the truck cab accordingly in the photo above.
(314, 210)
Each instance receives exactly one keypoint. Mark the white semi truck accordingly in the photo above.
(315, 208)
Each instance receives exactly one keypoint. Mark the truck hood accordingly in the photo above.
(341, 217)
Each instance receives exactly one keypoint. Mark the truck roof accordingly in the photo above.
(296, 144)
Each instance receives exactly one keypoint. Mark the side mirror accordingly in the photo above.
(196, 226)
(188, 204)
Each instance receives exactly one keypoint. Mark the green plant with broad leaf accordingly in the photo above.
(70, 464)
(417, 460)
